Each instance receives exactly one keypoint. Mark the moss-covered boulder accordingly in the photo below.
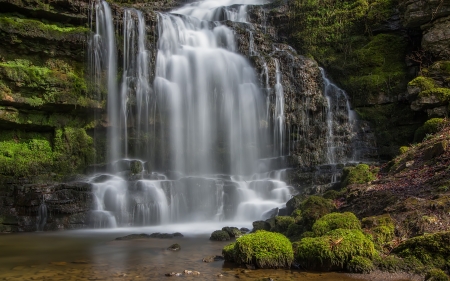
(382, 229)
(334, 221)
(334, 250)
(313, 208)
(431, 249)
(282, 224)
(219, 235)
(263, 249)
(429, 127)
(357, 175)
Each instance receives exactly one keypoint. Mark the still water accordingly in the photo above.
(96, 255)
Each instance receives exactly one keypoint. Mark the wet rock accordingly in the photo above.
(244, 229)
(232, 231)
(191, 272)
(174, 247)
(212, 259)
(134, 236)
(219, 235)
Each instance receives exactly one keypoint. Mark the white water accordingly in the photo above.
(340, 120)
(206, 108)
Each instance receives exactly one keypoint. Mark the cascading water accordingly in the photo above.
(200, 122)
(340, 120)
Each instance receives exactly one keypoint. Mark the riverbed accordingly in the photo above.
(96, 255)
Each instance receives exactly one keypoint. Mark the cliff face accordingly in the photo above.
(373, 49)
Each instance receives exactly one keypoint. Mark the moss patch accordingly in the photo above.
(67, 151)
(432, 249)
(263, 249)
(357, 175)
(333, 250)
(334, 221)
(35, 28)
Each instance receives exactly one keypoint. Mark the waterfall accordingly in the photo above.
(186, 147)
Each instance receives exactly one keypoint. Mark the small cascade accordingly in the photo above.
(340, 123)
(135, 78)
(41, 219)
(278, 114)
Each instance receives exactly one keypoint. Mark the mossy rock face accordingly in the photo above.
(382, 229)
(360, 265)
(263, 249)
(219, 235)
(436, 274)
(333, 250)
(432, 249)
(334, 221)
(357, 175)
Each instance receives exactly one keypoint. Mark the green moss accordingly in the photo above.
(431, 250)
(219, 235)
(313, 208)
(436, 274)
(332, 194)
(360, 265)
(424, 83)
(403, 149)
(295, 232)
(25, 158)
(35, 28)
(282, 224)
(334, 221)
(443, 94)
(56, 82)
(335, 249)
(228, 252)
(392, 263)
(382, 229)
(263, 249)
(357, 175)
(431, 126)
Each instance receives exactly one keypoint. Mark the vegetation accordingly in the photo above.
(313, 208)
(382, 229)
(31, 154)
(334, 221)
(335, 249)
(357, 175)
(36, 28)
(429, 127)
(263, 249)
(360, 265)
(430, 249)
